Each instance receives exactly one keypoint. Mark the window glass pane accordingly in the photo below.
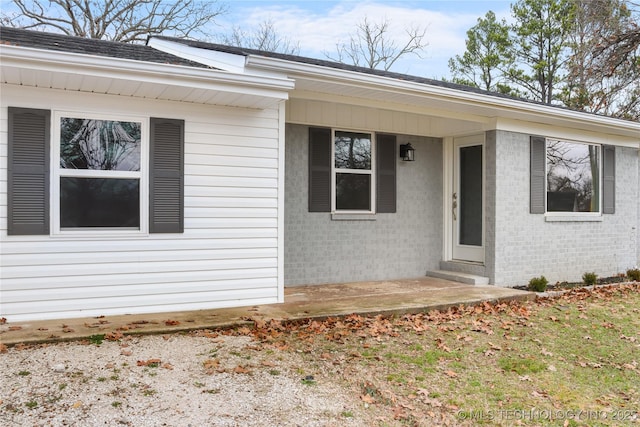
(573, 177)
(471, 196)
(353, 192)
(99, 202)
(353, 150)
(99, 144)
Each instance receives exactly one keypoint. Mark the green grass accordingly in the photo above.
(96, 339)
(575, 353)
(521, 365)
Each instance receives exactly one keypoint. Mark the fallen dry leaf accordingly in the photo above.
(241, 370)
(244, 331)
(149, 362)
(113, 336)
(211, 364)
(367, 398)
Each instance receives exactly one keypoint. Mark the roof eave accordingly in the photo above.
(171, 75)
(490, 106)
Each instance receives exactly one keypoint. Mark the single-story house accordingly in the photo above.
(181, 175)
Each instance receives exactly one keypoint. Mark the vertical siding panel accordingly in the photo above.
(343, 116)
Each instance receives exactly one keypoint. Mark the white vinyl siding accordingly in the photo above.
(227, 255)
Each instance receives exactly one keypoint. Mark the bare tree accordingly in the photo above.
(265, 38)
(372, 47)
(604, 76)
(118, 20)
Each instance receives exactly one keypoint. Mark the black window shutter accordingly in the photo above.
(166, 176)
(609, 179)
(319, 170)
(28, 171)
(386, 174)
(537, 174)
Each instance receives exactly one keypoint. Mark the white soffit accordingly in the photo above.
(125, 77)
(219, 60)
(438, 101)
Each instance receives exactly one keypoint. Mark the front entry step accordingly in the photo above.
(469, 279)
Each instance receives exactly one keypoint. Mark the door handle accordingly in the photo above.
(454, 206)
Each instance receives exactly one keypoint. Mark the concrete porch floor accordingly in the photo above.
(302, 302)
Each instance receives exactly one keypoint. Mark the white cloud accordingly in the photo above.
(318, 29)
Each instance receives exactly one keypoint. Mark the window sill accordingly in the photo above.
(353, 217)
(572, 218)
(90, 233)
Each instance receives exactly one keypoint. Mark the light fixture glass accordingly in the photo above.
(407, 152)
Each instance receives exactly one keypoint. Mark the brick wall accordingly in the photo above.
(400, 245)
(525, 245)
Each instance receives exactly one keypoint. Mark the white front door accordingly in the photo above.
(467, 207)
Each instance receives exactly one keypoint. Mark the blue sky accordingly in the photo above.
(319, 25)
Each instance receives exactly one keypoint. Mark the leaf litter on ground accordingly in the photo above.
(576, 351)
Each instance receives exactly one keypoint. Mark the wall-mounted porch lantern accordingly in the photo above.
(407, 152)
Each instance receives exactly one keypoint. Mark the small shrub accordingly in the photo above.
(590, 278)
(634, 274)
(96, 339)
(538, 284)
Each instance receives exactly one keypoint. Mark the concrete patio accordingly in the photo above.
(383, 297)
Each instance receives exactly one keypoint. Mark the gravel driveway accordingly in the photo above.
(201, 379)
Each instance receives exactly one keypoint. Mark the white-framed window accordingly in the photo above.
(99, 173)
(573, 177)
(353, 172)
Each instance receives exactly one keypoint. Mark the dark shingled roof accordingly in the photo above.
(339, 66)
(64, 43)
(51, 41)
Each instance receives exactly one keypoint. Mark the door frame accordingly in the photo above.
(449, 169)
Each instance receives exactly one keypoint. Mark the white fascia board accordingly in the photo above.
(219, 60)
(494, 104)
(561, 132)
(168, 74)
